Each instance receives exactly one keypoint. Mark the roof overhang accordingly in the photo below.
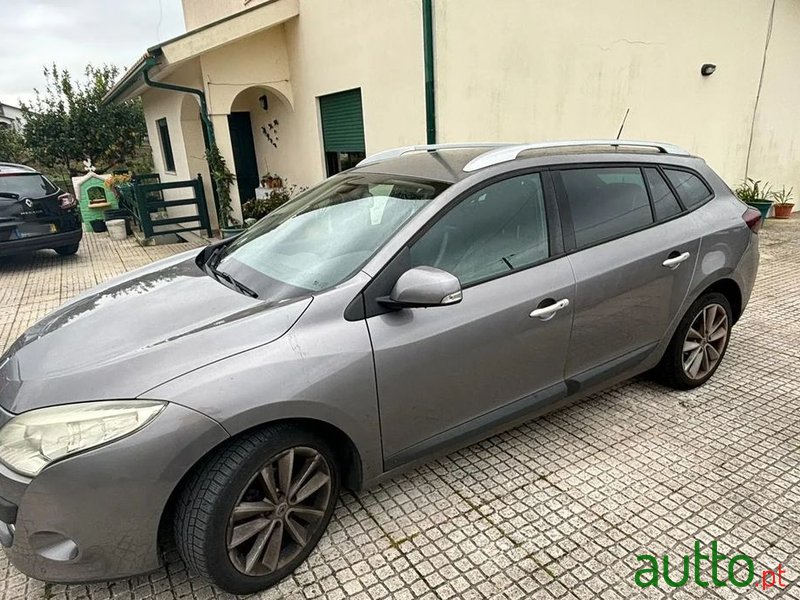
(164, 58)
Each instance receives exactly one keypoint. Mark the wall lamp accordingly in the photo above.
(708, 69)
(264, 102)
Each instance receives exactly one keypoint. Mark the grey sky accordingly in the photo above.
(75, 32)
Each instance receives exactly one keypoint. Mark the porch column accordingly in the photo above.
(223, 135)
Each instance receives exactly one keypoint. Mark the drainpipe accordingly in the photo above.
(430, 97)
(149, 64)
(209, 139)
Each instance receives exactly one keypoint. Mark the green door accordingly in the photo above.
(244, 154)
(342, 130)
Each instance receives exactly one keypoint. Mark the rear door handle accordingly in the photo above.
(674, 261)
(548, 312)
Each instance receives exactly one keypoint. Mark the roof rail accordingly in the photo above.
(397, 152)
(509, 153)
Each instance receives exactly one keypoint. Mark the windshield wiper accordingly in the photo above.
(238, 285)
(222, 275)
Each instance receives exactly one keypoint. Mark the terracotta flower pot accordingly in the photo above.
(783, 211)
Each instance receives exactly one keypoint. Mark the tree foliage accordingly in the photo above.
(12, 146)
(67, 122)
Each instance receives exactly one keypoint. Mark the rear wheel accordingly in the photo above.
(256, 510)
(67, 250)
(699, 344)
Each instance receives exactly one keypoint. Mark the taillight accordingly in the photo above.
(66, 200)
(753, 219)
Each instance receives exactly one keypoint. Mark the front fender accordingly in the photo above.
(322, 372)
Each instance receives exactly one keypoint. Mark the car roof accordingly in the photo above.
(454, 162)
(7, 168)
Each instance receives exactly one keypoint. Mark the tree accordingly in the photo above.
(68, 122)
(12, 146)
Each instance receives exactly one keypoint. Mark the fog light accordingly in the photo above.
(54, 546)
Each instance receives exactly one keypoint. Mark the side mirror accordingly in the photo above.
(424, 286)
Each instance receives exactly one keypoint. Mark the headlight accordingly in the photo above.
(31, 441)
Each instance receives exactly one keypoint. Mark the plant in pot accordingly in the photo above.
(271, 181)
(753, 193)
(783, 203)
(116, 182)
(258, 208)
(223, 179)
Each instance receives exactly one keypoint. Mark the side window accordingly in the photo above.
(691, 189)
(606, 202)
(166, 145)
(494, 231)
(664, 201)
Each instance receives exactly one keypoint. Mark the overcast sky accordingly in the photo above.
(75, 32)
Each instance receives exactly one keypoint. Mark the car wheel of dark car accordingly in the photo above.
(699, 343)
(256, 509)
(68, 250)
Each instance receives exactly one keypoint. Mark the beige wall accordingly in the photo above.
(523, 70)
(197, 13)
(338, 45)
(775, 155)
(572, 72)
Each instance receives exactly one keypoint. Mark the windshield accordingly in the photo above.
(26, 185)
(324, 236)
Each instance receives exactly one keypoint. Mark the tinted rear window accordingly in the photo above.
(27, 185)
(691, 189)
(606, 202)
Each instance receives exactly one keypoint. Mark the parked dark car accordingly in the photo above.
(35, 214)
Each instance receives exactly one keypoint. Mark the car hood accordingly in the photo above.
(134, 333)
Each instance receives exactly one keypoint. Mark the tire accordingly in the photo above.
(233, 557)
(67, 250)
(672, 370)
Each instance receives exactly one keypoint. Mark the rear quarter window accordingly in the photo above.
(691, 189)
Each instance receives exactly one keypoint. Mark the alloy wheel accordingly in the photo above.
(705, 341)
(280, 510)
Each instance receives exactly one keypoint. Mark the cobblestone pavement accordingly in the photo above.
(559, 507)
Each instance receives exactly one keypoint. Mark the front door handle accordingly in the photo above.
(548, 312)
(674, 261)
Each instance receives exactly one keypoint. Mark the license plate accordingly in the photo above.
(53, 228)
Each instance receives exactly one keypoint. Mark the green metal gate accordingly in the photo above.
(148, 206)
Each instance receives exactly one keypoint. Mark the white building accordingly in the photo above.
(11, 116)
(345, 78)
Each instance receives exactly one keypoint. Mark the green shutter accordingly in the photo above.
(342, 122)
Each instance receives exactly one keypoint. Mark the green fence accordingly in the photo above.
(145, 200)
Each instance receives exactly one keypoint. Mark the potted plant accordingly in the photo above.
(116, 182)
(754, 194)
(223, 179)
(258, 208)
(783, 203)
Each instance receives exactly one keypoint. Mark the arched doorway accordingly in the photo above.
(256, 119)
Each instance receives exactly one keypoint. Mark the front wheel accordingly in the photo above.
(257, 508)
(699, 343)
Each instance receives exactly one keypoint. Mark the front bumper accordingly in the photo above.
(96, 515)
(41, 242)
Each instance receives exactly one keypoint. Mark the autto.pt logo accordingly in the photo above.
(711, 569)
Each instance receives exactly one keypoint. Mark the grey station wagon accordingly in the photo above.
(419, 302)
